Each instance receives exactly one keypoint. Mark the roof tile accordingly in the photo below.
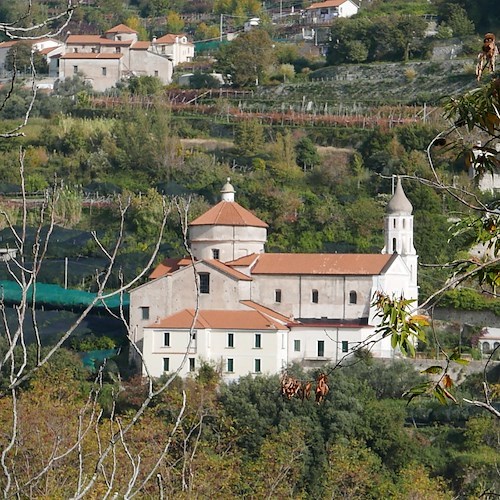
(321, 264)
(220, 320)
(228, 213)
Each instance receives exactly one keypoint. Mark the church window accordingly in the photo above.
(215, 253)
(394, 223)
(353, 297)
(145, 313)
(315, 296)
(277, 295)
(321, 348)
(393, 245)
(204, 282)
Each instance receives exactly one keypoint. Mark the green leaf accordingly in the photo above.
(433, 370)
(439, 394)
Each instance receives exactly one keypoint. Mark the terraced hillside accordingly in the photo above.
(376, 84)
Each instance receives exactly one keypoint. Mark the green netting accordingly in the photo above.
(211, 45)
(91, 358)
(57, 297)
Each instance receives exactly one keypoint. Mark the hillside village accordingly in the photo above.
(249, 249)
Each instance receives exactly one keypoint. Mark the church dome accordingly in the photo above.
(399, 204)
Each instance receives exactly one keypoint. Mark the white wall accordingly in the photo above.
(212, 346)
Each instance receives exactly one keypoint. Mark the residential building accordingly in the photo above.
(106, 59)
(327, 11)
(176, 47)
(248, 311)
(48, 47)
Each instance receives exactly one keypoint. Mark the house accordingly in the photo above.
(48, 47)
(106, 59)
(327, 11)
(489, 339)
(177, 47)
(248, 311)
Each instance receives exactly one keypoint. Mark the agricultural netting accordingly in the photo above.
(56, 297)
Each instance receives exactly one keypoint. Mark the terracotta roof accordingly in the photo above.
(325, 323)
(91, 55)
(220, 320)
(247, 260)
(169, 39)
(8, 44)
(321, 264)
(121, 28)
(228, 213)
(267, 311)
(327, 3)
(140, 46)
(168, 266)
(95, 40)
(228, 270)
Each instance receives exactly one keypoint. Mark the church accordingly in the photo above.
(245, 311)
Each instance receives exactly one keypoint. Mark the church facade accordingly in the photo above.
(246, 311)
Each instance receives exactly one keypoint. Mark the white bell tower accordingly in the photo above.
(399, 230)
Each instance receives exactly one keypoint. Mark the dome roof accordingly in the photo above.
(227, 213)
(399, 204)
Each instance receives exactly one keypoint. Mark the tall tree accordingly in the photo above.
(247, 58)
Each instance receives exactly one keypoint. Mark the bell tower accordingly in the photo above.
(399, 230)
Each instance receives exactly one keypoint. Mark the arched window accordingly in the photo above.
(394, 223)
(393, 245)
(353, 297)
(315, 296)
(486, 347)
